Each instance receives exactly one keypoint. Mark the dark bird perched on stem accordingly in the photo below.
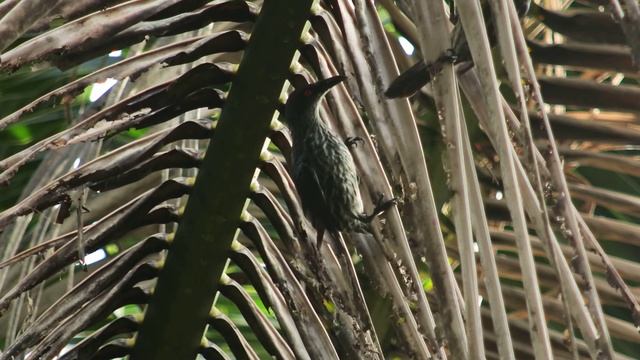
(421, 73)
(323, 168)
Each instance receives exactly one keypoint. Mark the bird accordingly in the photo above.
(322, 167)
(421, 73)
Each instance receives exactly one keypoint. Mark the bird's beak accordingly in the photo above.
(324, 85)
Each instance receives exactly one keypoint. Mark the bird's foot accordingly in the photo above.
(352, 141)
(381, 207)
(449, 56)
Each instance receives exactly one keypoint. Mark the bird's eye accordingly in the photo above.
(307, 92)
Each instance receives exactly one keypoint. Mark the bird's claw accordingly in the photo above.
(449, 56)
(352, 141)
(383, 205)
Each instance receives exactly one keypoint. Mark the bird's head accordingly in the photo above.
(303, 101)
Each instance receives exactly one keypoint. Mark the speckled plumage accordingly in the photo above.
(325, 175)
(322, 166)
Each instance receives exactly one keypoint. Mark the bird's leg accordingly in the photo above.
(352, 141)
(319, 237)
(382, 206)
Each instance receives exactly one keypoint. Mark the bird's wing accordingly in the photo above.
(409, 81)
(312, 195)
